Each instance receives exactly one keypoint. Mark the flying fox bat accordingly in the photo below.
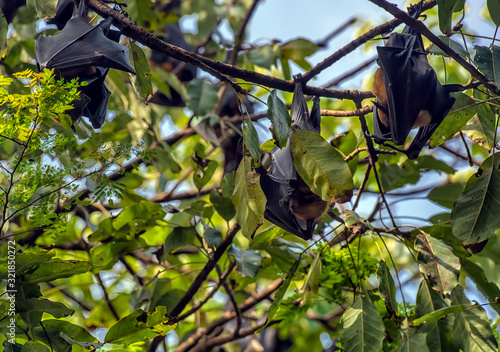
(291, 204)
(9, 8)
(84, 51)
(407, 90)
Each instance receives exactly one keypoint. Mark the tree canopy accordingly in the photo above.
(137, 194)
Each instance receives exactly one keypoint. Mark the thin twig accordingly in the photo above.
(340, 113)
(350, 73)
(106, 297)
(469, 156)
(362, 186)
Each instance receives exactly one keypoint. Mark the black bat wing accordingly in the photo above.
(99, 95)
(412, 87)
(64, 11)
(80, 44)
(278, 214)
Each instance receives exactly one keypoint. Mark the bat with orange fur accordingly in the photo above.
(408, 92)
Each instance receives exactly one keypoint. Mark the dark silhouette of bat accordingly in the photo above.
(291, 204)
(84, 51)
(224, 135)
(9, 8)
(408, 92)
(183, 71)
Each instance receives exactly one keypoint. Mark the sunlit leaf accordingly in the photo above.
(248, 198)
(437, 262)
(251, 139)
(462, 111)
(139, 326)
(413, 341)
(56, 269)
(321, 166)
(141, 81)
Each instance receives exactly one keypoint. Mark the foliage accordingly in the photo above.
(112, 239)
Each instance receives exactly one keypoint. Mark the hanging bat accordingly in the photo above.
(407, 90)
(84, 51)
(291, 204)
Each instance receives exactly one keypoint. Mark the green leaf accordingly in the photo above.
(437, 262)
(413, 341)
(138, 214)
(312, 281)
(393, 176)
(56, 309)
(438, 331)
(251, 139)
(4, 29)
(202, 177)
(179, 237)
(488, 62)
(280, 293)
(445, 12)
(248, 260)
(202, 96)
(74, 334)
(476, 215)
(26, 260)
(387, 289)
(494, 11)
(361, 327)
(489, 289)
(213, 237)
(481, 128)
(141, 81)
(248, 198)
(455, 46)
(279, 116)
(297, 50)
(43, 8)
(443, 232)
(34, 346)
(56, 269)
(223, 204)
(437, 315)
(446, 195)
(321, 166)
(11, 347)
(462, 111)
(472, 330)
(139, 326)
